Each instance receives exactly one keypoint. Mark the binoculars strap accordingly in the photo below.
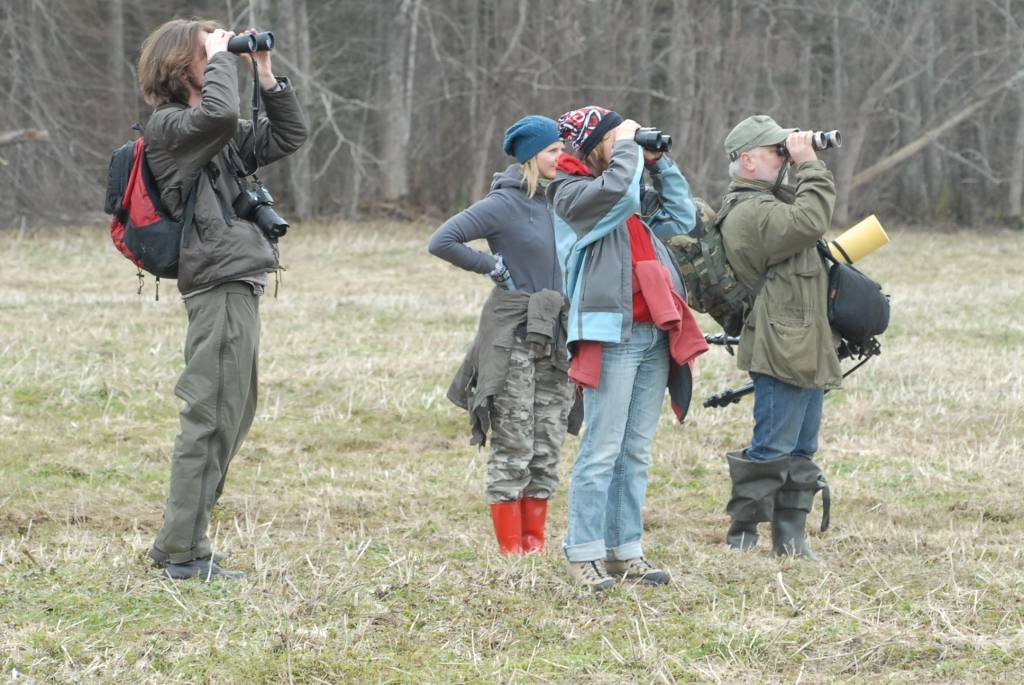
(256, 102)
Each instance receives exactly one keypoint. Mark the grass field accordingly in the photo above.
(356, 504)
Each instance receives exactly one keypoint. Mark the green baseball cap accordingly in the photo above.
(755, 131)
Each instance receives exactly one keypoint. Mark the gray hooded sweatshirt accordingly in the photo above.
(515, 226)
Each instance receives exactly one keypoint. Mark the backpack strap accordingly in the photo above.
(190, 200)
(732, 199)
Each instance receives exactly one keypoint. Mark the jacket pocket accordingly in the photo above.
(785, 301)
(791, 346)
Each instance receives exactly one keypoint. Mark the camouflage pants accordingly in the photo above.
(528, 425)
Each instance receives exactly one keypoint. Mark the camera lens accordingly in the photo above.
(270, 222)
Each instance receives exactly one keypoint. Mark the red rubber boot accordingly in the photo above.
(535, 514)
(508, 526)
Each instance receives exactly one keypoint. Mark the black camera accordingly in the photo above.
(820, 140)
(257, 205)
(246, 43)
(652, 139)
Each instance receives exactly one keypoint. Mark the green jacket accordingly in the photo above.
(786, 335)
(185, 143)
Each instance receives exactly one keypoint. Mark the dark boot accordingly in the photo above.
(203, 569)
(792, 505)
(535, 514)
(789, 534)
(754, 484)
(742, 535)
(508, 526)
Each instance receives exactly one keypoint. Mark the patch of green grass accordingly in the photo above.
(356, 504)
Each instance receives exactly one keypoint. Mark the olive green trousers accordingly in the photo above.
(218, 388)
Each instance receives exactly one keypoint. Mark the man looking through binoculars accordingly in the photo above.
(202, 157)
(770, 231)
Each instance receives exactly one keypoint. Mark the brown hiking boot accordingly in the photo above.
(591, 574)
(637, 569)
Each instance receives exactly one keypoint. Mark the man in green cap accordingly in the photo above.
(770, 231)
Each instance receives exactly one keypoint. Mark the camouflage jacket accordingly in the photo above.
(786, 335)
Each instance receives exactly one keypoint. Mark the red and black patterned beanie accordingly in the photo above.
(584, 128)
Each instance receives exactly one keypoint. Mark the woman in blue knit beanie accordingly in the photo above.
(514, 380)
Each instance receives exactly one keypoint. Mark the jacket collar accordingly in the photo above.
(786, 192)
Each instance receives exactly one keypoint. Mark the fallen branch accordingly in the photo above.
(929, 136)
(28, 135)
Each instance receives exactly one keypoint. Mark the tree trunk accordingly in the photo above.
(1015, 191)
(120, 112)
(256, 14)
(397, 133)
(300, 178)
(932, 162)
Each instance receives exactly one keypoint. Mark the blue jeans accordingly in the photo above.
(787, 419)
(609, 478)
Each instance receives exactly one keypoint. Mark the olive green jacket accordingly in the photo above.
(772, 237)
(184, 144)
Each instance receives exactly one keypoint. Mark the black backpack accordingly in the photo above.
(141, 228)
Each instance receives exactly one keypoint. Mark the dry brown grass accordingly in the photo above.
(356, 504)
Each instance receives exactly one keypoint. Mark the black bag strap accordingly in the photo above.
(839, 247)
(827, 257)
(826, 503)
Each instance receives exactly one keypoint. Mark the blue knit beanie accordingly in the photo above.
(528, 136)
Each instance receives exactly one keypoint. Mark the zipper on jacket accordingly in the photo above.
(214, 175)
(583, 294)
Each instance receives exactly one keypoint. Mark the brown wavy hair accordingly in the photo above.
(167, 56)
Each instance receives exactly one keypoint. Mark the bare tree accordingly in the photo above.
(924, 92)
(399, 84)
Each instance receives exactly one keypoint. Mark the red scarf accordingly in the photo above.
(572, 166)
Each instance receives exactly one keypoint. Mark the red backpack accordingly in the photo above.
(141, 228)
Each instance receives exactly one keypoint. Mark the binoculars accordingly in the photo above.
(652, 139)
(247, 43)
(823, 140)
(820, 140)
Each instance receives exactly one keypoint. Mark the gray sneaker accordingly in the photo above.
(203, 569)
(591, 574)
(637, 569)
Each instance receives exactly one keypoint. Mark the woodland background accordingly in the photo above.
(408, 99)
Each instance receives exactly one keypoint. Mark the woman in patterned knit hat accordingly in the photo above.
(513, 381)
(630, 332)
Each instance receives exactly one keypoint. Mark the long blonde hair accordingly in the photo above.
(531, 175)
